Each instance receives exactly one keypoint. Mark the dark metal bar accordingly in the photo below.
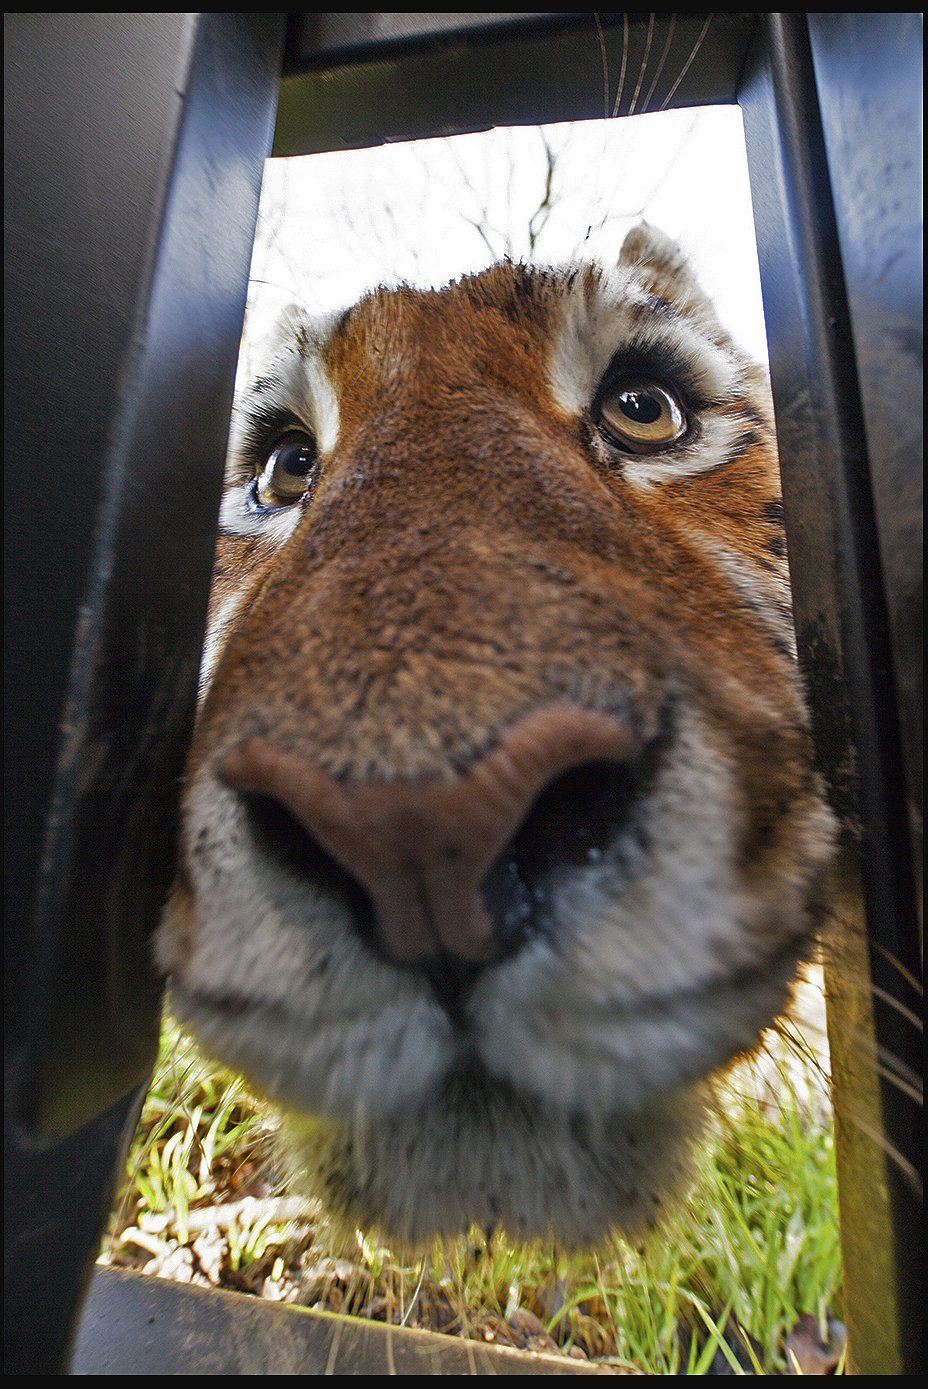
(356, 80)
(868, 74)
(56, 1203)
(826, 456)
(328, 39)
(135, 1324)
(134, 154)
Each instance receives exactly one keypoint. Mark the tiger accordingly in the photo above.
(502, 829)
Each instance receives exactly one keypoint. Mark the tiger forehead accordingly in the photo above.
(490, 330)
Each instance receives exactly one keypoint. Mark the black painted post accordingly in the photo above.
(133, 158)
(842, 291)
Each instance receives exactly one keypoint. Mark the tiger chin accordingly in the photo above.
(501, 823)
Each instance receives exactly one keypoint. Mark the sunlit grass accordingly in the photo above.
(754, 1247)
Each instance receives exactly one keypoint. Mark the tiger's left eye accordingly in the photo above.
(288, 472)
(641, 416)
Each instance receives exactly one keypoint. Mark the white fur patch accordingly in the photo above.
(767, 597)
(216, 635)
(300, 382)
(713, 444)
(238, 517)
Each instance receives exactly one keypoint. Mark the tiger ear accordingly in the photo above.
(659, 262)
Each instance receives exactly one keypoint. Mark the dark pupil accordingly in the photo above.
(296, 459)
(640, 407)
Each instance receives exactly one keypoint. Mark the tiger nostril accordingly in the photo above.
(577, 814)
(572, 823)
(286, 840)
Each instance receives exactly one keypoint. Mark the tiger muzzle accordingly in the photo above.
(446, 874)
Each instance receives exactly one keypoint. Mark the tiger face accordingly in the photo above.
(500, 820)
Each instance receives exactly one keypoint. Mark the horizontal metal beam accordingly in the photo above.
(353, 81)
(134, 1324)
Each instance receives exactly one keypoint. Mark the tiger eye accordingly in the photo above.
(288, 471)
(641, 416)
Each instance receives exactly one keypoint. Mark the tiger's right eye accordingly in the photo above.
(288, 472)
(638, 415)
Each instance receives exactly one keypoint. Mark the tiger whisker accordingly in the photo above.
(644, 64)
(625, 47)
(686, 66)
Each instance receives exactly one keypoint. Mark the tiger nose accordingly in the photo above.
(426, 852)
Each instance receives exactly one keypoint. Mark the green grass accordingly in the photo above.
(755, 1246)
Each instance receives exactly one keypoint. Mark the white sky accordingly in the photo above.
(334, 225)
